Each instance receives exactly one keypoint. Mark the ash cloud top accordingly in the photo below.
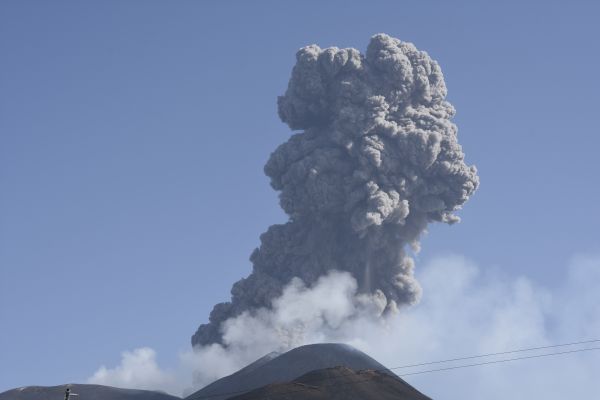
(376, 160)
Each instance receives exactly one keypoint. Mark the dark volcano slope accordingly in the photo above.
(289, 366)
(85, 392)
(339, 383)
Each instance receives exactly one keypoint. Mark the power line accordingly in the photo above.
(436, 370)
(415, 373)
(501, 361)
(497, 354)
(439, 369)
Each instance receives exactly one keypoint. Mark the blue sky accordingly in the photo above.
(133, 137)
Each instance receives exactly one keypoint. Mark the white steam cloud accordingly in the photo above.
(138, 369)
(467, 311)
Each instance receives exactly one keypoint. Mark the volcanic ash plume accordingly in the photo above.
(375, 160)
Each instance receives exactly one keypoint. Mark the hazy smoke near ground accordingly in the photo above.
(469, 309)
(138, 369)
(376, 160)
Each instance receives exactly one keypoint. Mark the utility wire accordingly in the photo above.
(501, 361)
(497, 354)
(230, 394)
(310, 387)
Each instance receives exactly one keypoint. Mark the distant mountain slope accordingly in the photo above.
(85, 392)
(287, 367)
(338, 383)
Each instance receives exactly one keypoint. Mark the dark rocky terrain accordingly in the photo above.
(291, 365)
(85, 392)
(338, 383)
(312, 372)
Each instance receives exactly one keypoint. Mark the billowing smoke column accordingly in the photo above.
(375, 161)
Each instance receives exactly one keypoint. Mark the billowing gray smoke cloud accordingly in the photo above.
(376, 160)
